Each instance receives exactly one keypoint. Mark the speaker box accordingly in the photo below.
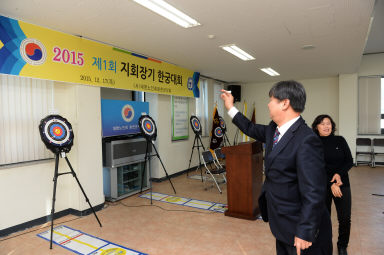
(236, 92)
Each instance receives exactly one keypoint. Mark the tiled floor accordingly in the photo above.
(172, 229)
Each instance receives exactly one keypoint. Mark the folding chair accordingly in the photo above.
(364, 148)
(212, 169)
(378, 150)
(220, 157)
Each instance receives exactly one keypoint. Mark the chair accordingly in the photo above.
(364, 148)
(212, 169)
(378, 150)
(220, 157)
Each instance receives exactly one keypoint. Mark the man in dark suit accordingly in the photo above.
(294, 190)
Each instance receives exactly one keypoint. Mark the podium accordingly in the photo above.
(244, 164)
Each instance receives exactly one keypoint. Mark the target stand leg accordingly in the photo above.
(236, 137)
(82, 190)
(226, 140)
(146, 159)
(190, 158)
(55, 177)
(54, 195)
(198, 150)
(145, 167)
(197, 143)
(169, 179)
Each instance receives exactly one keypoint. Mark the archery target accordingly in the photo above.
(148, 127)
(195, 123)
(218, 132)
(56, 133)
(222, 124)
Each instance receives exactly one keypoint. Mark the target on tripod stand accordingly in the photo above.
(56, 133)
(218, 132)
(148, 127)
(222, 124)
(195, 124)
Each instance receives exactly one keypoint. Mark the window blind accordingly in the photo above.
(23, 103)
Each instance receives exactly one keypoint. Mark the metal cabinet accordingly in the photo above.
(123, 168)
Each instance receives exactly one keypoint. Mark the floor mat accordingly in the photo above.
(84, 244)
(200, 204)
(196, 177)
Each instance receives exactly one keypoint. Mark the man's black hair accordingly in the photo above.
(292, 90)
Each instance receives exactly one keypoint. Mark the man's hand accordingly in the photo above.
(337, 178)
(227, 98)
(301, 244)
(336, 191)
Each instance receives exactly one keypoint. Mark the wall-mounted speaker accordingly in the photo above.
(236, 92)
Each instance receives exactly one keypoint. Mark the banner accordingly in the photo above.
(217, 132)
(121, 117)
(33, 51)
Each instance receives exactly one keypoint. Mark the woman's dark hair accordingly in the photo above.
(292, 90)
(319, 119)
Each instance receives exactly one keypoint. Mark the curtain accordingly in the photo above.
(369, 105)
(23, 103)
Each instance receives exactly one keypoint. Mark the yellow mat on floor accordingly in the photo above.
(199, 204)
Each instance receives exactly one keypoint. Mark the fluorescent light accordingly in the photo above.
(270, 71)
(233, 49)
(168, 11)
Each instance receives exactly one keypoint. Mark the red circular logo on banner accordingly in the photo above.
(33, 51)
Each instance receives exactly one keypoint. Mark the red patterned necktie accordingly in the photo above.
(275, 138)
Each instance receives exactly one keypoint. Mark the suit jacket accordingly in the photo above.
(294, 190)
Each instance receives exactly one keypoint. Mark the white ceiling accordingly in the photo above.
(273, 31)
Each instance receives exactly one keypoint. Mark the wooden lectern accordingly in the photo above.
(244, 164)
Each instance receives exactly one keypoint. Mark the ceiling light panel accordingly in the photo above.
(169, 12)
(269, 71)
(233, 49)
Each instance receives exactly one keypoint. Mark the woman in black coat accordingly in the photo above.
(338, 161)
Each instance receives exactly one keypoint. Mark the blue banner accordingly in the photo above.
(120, 117)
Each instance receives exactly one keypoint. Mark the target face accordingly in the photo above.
(56, 133)
(195, 123)
(148, 127)
(222, 124)
(57, 130)
(218, 132)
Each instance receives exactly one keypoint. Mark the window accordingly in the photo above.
(23, 103)
(369, 93)
(202, 106)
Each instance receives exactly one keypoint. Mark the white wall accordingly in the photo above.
(372, 65)
(348, 109)
(26, 189)
(175, 154)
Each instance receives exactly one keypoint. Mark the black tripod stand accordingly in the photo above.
(236, 137)
(56, 175)
(226, 140)
(197, 143)
(147, 157)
